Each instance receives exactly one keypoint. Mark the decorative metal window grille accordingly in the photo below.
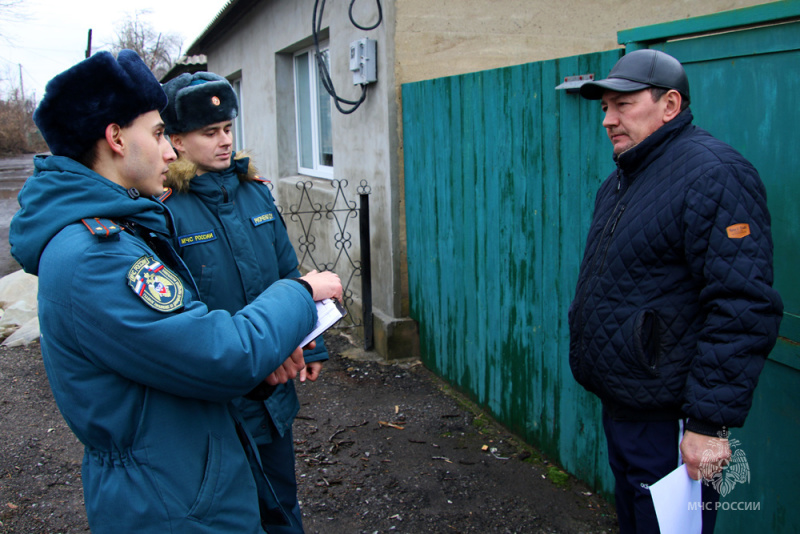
(341, 213)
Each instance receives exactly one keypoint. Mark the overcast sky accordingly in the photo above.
(49, 36)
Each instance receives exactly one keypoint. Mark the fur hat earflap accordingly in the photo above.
(83, 100)
(197, 100)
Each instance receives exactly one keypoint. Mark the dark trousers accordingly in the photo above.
(277, 458)
(642, 453)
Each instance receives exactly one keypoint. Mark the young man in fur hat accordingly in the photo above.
(141, 370)
(234, 242)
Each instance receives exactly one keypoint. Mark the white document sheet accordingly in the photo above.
(328, 312)
(678, 503)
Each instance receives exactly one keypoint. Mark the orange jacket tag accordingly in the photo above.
(738, 231)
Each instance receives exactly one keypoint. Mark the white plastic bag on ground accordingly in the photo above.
(18, 286)
(15, 316)
(18, 292)
(24, 335)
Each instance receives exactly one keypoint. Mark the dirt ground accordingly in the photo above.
(380, 448)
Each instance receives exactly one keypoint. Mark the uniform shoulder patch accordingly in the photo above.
(101, 227)
(156, 285)
(166, 194)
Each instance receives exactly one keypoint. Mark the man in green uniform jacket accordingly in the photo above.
(233, 240)
(141, 370)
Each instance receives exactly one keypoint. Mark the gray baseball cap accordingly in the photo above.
(639, 70)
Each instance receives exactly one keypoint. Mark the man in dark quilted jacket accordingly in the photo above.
(674, 310)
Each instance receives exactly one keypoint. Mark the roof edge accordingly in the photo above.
(227, 17)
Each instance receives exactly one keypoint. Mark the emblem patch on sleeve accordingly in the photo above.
(157, 286)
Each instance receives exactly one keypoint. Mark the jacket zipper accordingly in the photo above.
(611, 233)
(581, 361)
(607, 238)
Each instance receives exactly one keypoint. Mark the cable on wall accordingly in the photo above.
(380, 17)
(324, 74)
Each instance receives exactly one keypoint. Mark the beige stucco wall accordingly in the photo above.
(447, 37)
(259, 52)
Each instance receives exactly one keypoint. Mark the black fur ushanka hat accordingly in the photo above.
(197, 100)
(83, 100)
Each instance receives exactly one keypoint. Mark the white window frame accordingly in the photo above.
(317, 170)
(238, 122)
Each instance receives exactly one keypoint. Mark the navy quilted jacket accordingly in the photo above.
(674, 312)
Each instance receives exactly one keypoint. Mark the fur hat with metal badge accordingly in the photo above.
(83, 100)
(197, 100)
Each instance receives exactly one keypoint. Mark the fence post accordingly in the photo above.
(366, 270)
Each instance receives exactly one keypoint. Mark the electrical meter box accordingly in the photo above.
(363, 61)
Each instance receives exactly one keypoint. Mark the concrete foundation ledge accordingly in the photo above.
(396, 338)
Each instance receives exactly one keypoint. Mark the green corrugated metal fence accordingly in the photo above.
(501, 172)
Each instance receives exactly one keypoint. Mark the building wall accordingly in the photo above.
(418, 39)
(365, 142)
(448, 37)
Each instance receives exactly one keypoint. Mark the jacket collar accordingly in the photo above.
(182, 172)
(219, 187)
(640, 156)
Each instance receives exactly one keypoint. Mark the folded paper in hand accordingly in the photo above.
(678, 502)
(329, 311)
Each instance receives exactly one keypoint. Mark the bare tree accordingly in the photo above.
(11, 12)
(158, 50)
(12, 9)
(18, 134)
